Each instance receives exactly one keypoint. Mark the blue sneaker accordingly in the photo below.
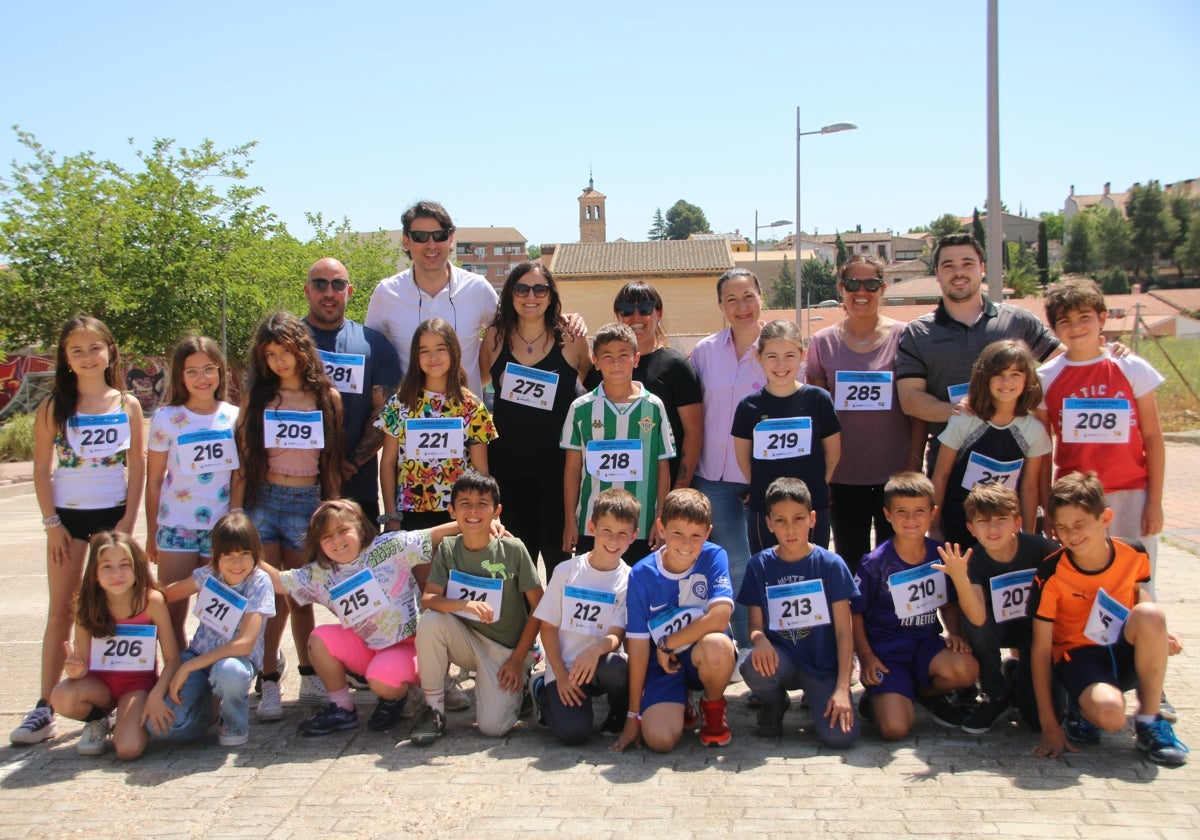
(1080, 730)
(537, 693)
(1157, 740)
(333, 718)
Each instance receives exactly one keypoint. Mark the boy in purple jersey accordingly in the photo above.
(896, 631)
(679, 601)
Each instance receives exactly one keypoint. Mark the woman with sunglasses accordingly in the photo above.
(535, 367)
(856, 361)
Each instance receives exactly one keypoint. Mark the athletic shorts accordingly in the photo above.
(1091, 664)
(178, 538)
(908, 666)
(121, 683)
(662, 687)
(394, 666)
(82, 523)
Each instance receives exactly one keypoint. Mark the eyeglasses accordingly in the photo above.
(422, 236)
(539, 290)
(852, 285)
(642, 307)
(208, 371)
(321, 284)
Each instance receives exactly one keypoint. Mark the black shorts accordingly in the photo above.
(1111, 664)
(81, 524)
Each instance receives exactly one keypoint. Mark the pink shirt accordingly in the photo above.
(726, 379)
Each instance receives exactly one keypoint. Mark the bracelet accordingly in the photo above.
(51, 521)
(237, 510)
(632, 715)
(385, 518)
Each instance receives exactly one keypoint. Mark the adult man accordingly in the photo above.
(364, 369)
(938, 350)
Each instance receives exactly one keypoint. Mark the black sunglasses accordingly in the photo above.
(321, 284)
(852, 285)
(627, 308)
(439, 235)
(539, 290)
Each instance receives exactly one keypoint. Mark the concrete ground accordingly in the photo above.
(362, 784)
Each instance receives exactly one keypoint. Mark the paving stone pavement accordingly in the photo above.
(362, 784)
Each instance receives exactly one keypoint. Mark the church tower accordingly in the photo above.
(592, 220)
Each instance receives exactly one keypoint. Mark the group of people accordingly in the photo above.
(719, 478)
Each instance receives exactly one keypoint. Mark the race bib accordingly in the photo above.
(131, 648)
(1096, 421)
(465, 587)
(434, 438)
(957, 392)
(984, 470)
(529, 386)
(98, 435)
(862, 390)
(792, 606)
(347, 371)
(787, 437)
(357, 598)
(1106, 619)
(917, 591)
(294, 429)
(211, 450)
(219, 608)
(1010, 595)
(615, 460)
(672, 621)
(588, 611)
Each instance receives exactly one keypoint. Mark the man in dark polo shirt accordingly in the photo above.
(938, 350)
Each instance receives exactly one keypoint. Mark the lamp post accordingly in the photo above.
(832, 128)
(758, 227)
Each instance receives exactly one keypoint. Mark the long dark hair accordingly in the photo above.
(506, 318)
(413, 382)
(996, 358)
(190, 346)
(91, 603)
(64, 399)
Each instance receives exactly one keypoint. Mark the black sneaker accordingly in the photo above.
(1080, 730)
(614, 724)
(984, 716)
(527, 704)
(537, 694)
(357, 682)
(333, 718)
(943, 710)
(1157, 740)
(386, 715)
(770, 721)
(430, 726)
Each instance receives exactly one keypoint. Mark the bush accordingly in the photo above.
(1114, 282)
(16, 438)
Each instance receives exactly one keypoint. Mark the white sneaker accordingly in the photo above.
(270, 707)
(456, 698)
(414, 703)
(280, 668)
(235, 739)
(94, 738)
(312, 692)
(38, 726)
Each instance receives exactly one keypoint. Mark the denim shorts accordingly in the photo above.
(281, 513)
(178, 538)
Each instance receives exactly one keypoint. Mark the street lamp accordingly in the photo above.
(758, 227)
(833, 128)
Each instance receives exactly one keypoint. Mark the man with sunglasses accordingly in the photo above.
(363, 368)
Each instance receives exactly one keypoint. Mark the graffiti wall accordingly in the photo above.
(13, 371)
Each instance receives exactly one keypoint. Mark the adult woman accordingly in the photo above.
(536, 368)
(855, 361)
(729, 370)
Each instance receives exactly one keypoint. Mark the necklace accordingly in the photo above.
(529, 344)
(859, 342)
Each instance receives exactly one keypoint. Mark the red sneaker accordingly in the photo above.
(690, 716)
(714, 732)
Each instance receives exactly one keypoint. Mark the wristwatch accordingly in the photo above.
(385, 518)
(662, 645)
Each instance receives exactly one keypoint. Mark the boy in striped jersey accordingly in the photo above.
(615, 436)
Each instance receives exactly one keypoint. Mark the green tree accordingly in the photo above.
(1021, 274)
(1110, 237)
(842, 254)
(1180, 207)
(1043, 254)
(945, 225)
(819, 282)
(1054, 224)
(977, 230)
(684, 219)
(783, 295)
(658, 226)
(1188, 255)
(533, 252)
(1079, 255)
(1152, 228)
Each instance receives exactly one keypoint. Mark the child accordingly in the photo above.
(478, 607)
(897, 635)
(615, 436)
(88, 470)
(583, 625)
(235, 600)
(786, 429)
(119, 613)
(436, 430)
(679, 602)
(191, 465)
(1095, 621)
(290, 439)
(1000, 441)
(798, 599)
(993, 582)
(373, 585)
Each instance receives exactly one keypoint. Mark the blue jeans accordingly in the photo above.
(730, 531)
(229, 679)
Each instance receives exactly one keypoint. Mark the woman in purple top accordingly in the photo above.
(855, 361)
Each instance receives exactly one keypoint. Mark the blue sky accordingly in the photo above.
(498, 109)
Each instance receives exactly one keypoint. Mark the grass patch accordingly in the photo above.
(16, 438)
(1179, 409)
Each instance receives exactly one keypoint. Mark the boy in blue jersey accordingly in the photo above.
(797, 597)
(679, 602)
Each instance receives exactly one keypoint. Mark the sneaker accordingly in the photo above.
(770, 720)
(1080, 730)
(38, 726)
(386, 715)
(1157, 740)
(270, 707)
(715, 732)
(280, 669)
(357, 682)
(943, 710)
(527, 704)
(1010, 669)
(866, 710)
(736, 676)
(312, 692)
(537, 696)
(413, 703)
(1167, 711)
(456, 698)
(233, 739)
(690, 716)
(753, 701)
(94, 738)
(984, 716)
(430, 726)
(333, 718)
(614, 723)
